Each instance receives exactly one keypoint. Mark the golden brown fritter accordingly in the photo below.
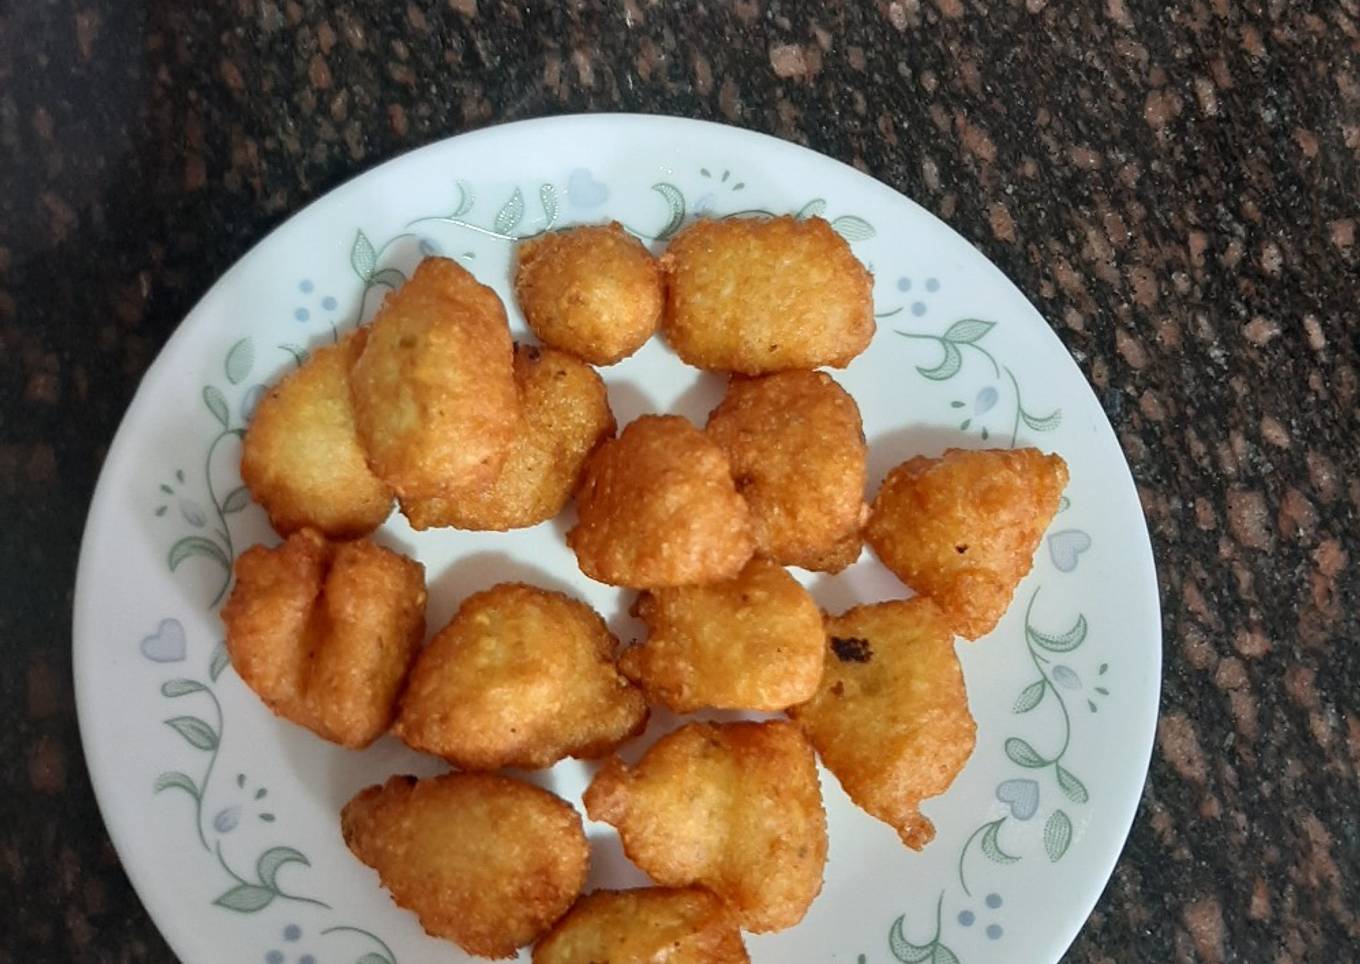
(521, 677)
(594, 291)
(657, 507)
(651, 925)
(750, 643)
(757, 295)
(301, 459)
(483, 860)
(797, 450)
(325, 632)
(735, 807)
(890, 718)
(434, 389)
(962, 529)
(564, 415)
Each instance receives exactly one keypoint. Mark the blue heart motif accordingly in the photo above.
(1065, 546)
(1066, 677)
(583, 191)
(1021, 795)
(166, 644)
(227, 819)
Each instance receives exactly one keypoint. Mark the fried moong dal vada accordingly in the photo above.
(750, 643)
(657, 507)
(485, 861)
(521, 677)
(649, 925)
(796, 445)
(564, 415)
(891, 718)
(962, 529)
(594, 291)
(325, 632)
(434, 389)
(301, 459)
(757, 295)
(735, 807)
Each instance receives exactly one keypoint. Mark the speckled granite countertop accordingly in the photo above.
(1174, 185)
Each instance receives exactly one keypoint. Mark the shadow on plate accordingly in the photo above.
(482, 570)
(891, 449)
(702, 396)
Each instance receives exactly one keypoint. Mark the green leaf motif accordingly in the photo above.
(948, 367)
(267, 867)
(992, 848)
(852, 228)
(1057, 835)
(813, 209)
(174, 780)
(181, 687)
(212, 397)
(297, 351)
(1073, 788)
(362, 258)
(510, 214)
(1023, 754)
(194, 730)
(220, 660)
(240, 359)
(1063, 643)
(1030, 697)
(968, 330)
(372, 957)
(391, 277)
(246, 898)
(197, 546)
(236, 500)
(943, 955)
(465, 199)
(1046, 423)
(675, 201)
(903, 949)
(547, 196)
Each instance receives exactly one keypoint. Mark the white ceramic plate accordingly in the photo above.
(226, 817)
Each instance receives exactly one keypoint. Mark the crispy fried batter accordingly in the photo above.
(483, 860)
(756, 295)
(735, 807)
(521, 677)
(797, 450)
(891, 718)
(434, 389)
(594, 291)
(750, 643)
(301, 459)
(325, 632)
(564, 415)
(657, 507)
(652, 925)
(963, 528)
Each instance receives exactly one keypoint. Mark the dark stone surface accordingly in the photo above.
(1174, 185)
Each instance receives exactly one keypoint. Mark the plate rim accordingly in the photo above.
(1143, 715)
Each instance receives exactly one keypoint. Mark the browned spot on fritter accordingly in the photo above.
(851, 649)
